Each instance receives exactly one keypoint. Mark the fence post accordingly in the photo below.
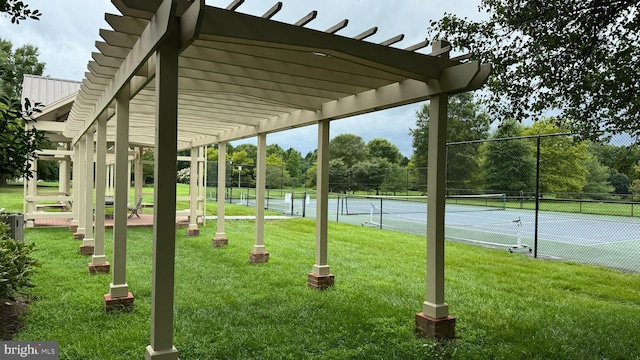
(304, 204)
(535, 235)
(380, 213)
(407, 175)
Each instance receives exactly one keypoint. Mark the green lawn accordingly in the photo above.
(11, 199)
(508, 306)
(13, 203)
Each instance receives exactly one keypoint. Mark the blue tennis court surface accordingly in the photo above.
(612, 241)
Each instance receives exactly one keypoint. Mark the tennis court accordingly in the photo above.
(612, 241)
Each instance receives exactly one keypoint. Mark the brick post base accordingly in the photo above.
(442, 328)
(86, 249)
(118, 303)
(99, 268)
(320, 282)
(258, 258)
(193, 232)
(73, 228)
(78, 236)
(219, 242)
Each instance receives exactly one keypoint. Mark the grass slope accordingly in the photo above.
(508, 306)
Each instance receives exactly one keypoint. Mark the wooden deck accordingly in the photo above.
(145, 220)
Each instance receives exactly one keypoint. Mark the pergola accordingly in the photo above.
(177, 74)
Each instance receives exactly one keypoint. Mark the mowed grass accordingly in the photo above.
(508, 306)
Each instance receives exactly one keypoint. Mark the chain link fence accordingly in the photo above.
(547, 196)
(567, 199)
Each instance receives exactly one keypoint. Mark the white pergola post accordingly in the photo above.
(99, 263)
(64, 174)
(87, 243)
(259, 253)
(31, 192)
(129, 181)
(202, 183)
(164, 225)
(138, 179)
(110, 185)
(79, 186)
(73, 226)
(119, 294)
(320, 276)
(194, 180)
(221, 238)
(434, 320)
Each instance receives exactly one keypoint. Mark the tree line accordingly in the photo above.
(507, 163)
(353, 164)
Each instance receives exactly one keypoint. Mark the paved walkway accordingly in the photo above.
(251, 217)
(145, 220)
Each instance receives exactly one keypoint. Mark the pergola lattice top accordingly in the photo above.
(240, 75)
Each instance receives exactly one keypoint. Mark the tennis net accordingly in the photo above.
(293, 204)
(381, 204)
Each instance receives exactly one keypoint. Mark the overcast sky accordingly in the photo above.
(68, 29)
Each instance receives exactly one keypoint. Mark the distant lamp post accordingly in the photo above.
(239, 172)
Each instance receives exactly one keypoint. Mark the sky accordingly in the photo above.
(68, 29)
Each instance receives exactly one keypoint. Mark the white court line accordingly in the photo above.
(489, 227)
(576, 240)
(489, 243)
(614, 242)
(483, 231)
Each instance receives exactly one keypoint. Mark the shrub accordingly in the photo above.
(16, 265)
(183, 175)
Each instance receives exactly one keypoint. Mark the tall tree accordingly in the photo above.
(147, 169)
(18, 10)
(396, 180)
(275, 149)
(18, 145)
(598, 184)
(339, 176)
(244, 175)
(212, 154)
(634, 188)
(509, 165)
(277, 174)
(251, 152)
(576, 56)
(465, 122)
(619, 158)
(383, 148)
(349, 148)
(294, 165)
(562, 167)
(48, 170)
(371, 174)
(620, 183)
(14, 65)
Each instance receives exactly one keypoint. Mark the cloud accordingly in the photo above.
(68, 29)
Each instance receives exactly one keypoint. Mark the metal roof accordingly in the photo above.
(56, 95)
(240, 75)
